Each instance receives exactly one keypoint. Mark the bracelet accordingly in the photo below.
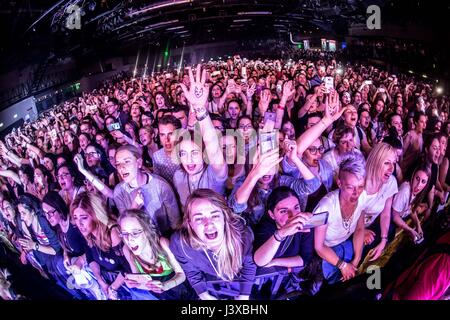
(36, 246)
(384, 238)
(277, 236)
(204, 116)
(339, 263)
(343, 265)
(281, 107)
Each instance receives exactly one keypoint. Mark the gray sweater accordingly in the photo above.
(160, 202)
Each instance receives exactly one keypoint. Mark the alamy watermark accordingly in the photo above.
(374, 19)
(374, 280)
(73, 21)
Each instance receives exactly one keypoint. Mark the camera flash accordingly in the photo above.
(439, 90)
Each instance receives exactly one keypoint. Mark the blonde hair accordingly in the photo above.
(375, 162)
(230, 254)
(102, 221)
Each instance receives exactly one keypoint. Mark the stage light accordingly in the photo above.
(339, 71)
(15, 116)
(439, 90)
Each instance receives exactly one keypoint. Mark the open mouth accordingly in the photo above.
(211, 236)
(168, 146)
(134, 248)
(190, 167)
(387, 175)
(125, 175)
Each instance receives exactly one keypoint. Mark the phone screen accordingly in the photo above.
(329, 83)
(317, 220)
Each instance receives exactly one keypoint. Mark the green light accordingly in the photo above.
(299, 46)
(166, 53)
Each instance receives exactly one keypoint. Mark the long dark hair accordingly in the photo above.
(278, 194)
(422, 194)
(31, 203)
(53, 199)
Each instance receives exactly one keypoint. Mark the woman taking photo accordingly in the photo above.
(148, 254)
(214, 248)
(104, 250)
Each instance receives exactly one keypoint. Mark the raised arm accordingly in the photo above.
(10, 174)
(98, 184)
(263, 166)
(332, 113)
(288, 92)
(197, 97)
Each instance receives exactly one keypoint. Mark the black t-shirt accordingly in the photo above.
(72, 241)
(300, 244)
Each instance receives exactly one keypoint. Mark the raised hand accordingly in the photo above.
(288, 89)
(78, 159)
(198, 91)
(291, 149)
(251, 90)
(333, 109)
(266, 162)
(264, 101)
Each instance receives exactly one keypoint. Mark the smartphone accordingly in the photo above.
(279, 88)
(53, 134)
(215, 74)
(269, 116)
(369, 82)
(268, 141)
(419, 239)
(329, 83)
(114, 126)
(318, 219)
(381, 89)
(140, 277)
(93, 108)
(244, 72)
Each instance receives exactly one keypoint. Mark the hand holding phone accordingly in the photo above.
(318, 219)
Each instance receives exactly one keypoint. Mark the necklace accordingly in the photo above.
(347, 221)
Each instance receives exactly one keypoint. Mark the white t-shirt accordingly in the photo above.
(336, 233)
(375, 202)
(402, 200)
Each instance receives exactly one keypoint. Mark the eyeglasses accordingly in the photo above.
(133, 235)
(246, 127)
(50, 214)
(314, 150)
(63, 175)
(92, 155)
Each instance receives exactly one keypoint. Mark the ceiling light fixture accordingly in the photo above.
(254, 13)
(158, 6)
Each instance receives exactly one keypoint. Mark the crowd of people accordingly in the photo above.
(193, 185)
